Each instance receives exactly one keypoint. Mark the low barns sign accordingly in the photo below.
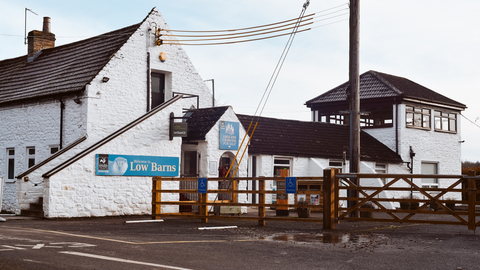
(136, 165)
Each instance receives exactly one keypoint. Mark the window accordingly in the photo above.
(381, 168)
(190, 164)
(429, 168)
(54, 149)
(336, 164)
(281, 167)
(418, 117)
(30, 156)
(158, 89)
(445, 121)
(10, 163)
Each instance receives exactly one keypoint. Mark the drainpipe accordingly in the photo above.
(396, 125)
(148, 81)
(62, 109)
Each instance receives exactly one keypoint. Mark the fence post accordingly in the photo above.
(472, 197)
(261, 202)
(203, 209)
(329, 199)
(156, 197)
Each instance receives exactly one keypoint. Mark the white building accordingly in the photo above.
(64, 108)
(119, 97)
(420, 125)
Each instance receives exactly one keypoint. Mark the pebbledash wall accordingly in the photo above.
(104, 108)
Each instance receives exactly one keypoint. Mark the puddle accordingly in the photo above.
(319, 238)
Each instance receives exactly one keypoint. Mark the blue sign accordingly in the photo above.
(229, 135)
(291, 185)
(202, 185)
(136, 165)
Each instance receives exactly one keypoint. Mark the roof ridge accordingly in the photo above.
(383, 80)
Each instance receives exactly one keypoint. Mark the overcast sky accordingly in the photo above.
(435, 43)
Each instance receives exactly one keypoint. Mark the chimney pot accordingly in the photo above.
(46, 25)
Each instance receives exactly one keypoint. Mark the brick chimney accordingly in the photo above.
(38, 40)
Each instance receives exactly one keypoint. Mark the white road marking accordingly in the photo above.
(144, 221)
(121, 260)
(74, 244)
(38, 246)
(217, 228)
(12, 247)
(6, 249)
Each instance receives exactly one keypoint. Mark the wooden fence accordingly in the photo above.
(342, 196)
(207, 205)
(455, 204)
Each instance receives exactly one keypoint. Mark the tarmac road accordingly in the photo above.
(110, 243)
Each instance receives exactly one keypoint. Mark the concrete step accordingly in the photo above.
(32, 213)
(36, 210)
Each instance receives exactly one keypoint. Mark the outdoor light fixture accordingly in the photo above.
(77, 100)
(162, 57)
(105, 79)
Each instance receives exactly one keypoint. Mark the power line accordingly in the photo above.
(470, 120)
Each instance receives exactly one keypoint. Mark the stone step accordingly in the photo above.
(32, 213)
(36, 206)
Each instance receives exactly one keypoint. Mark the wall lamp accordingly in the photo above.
(77, 100)
(105, 79)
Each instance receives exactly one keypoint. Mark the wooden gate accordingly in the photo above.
(455, 205)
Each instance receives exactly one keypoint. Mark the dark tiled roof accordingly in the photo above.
(60, 70)
(201, 121)
(380, 85)
(312, 139)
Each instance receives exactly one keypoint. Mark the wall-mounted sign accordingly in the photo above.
(229, 135)
(179, 129)
(136, 165)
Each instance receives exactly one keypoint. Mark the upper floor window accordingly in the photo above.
(417, 117)
(158, 89)
(445, 121)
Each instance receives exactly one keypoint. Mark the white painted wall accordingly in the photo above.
(77, 192)
(104, 108)
(34, 124)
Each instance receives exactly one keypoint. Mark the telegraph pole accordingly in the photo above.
(354, 79)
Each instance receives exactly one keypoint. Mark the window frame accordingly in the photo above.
(434, 183)
(10, 157)
(440, 117)
(30, 156)
(418, 114)
(384, 169)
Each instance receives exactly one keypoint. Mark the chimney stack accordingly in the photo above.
(39, 40)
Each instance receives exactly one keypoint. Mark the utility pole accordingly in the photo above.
(354, 79)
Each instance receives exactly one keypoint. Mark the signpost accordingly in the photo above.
(202, 185)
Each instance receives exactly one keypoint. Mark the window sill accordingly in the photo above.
(10, 180)
(445, 131)
(420, 128)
